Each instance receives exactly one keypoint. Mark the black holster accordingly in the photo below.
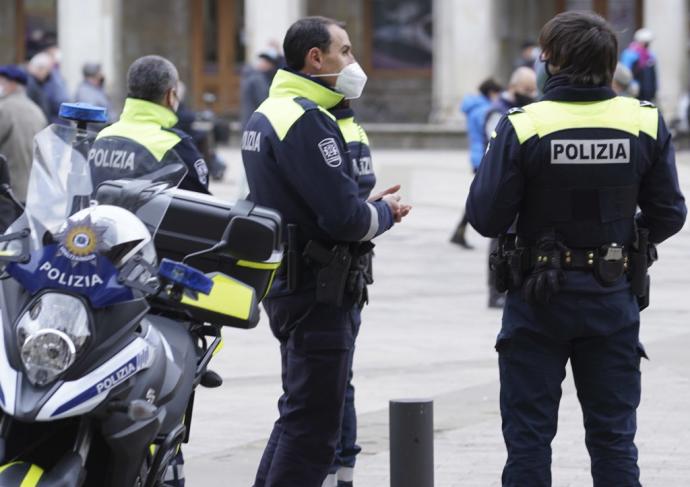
(505, 264)
(333, 268)
(641, 257)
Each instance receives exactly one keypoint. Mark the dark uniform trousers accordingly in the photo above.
(600, 337)
(316, 356)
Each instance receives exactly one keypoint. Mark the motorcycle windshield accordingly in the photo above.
(72, 170)
(71, 235)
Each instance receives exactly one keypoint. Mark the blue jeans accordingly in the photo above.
(599, 334)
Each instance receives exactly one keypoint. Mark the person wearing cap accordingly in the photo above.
(20, 120)
(256, 79)
(91, 91)
(638, 58)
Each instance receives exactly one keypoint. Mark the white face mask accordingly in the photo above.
(350, 82)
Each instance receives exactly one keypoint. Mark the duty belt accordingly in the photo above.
(577, 259)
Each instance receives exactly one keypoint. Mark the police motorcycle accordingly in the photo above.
(112, 299)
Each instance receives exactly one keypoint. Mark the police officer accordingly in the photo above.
(147, 119)
(297, 161)
(575, 166)
(342, 471)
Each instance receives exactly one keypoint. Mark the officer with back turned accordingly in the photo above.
(296, 161)
(574, 168)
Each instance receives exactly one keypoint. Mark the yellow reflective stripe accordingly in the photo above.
(266, 266)
(228, 296)
(220, 346)
(352, 131)
(32, 477)
(290, 85)
(8, 465)
(649, 121)
(141, 121)
(151, 136)
(282, 113)
(617, 113)
(523, 125)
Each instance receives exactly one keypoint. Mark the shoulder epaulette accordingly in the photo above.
(305, 103)
(647, 104)
(515, 110)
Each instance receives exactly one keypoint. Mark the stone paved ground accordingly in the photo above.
(428, 333)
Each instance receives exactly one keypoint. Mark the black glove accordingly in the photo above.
(547, 277)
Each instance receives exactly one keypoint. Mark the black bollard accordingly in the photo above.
(411, 423)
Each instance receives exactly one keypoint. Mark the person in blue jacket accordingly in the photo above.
(574, 168)
(297, 161)
(475, 108)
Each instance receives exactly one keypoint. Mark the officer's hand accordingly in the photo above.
(379, 196)
(398, 209)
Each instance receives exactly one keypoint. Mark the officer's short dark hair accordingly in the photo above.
(150, 77)
(583, 45)
(303, 35)
(489, 86)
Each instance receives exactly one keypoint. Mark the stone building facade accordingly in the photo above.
(422, 56)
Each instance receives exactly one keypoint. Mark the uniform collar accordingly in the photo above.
(287, 83)
(137, 110)
(342, 113)
(559, 88)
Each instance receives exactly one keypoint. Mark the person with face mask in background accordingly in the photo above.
(297, 161)
(91, 89)
(639, 59)
(522, 90)
(148, 117)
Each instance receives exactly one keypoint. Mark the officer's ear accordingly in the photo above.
(314, 58)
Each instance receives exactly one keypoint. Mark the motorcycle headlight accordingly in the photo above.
(50, 334)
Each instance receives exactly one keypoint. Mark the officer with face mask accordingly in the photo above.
(591, 179)
(147, 119)
(297, 161)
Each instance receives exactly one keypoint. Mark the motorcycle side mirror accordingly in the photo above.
(248, 239)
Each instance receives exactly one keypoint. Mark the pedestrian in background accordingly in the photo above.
(639, 59)
(91, 89)
(475, 108)
(255, 82)
(39, 68)
(573, 169)
(55, 86)
(623, 82)
(20, 120)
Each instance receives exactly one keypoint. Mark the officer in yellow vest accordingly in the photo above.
(573, 168)
(357, 142)
(297, 161)
(147, 119)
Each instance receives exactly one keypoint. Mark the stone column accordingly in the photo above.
(266, 21)
(670, 27)
(8, 51)
(90, 32)
(466, 51)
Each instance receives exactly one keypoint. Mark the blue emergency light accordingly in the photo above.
(186, 276)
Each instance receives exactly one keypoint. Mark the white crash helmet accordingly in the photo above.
(106, 230)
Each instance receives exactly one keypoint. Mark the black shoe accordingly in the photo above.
(458, 238)
(342, 483)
